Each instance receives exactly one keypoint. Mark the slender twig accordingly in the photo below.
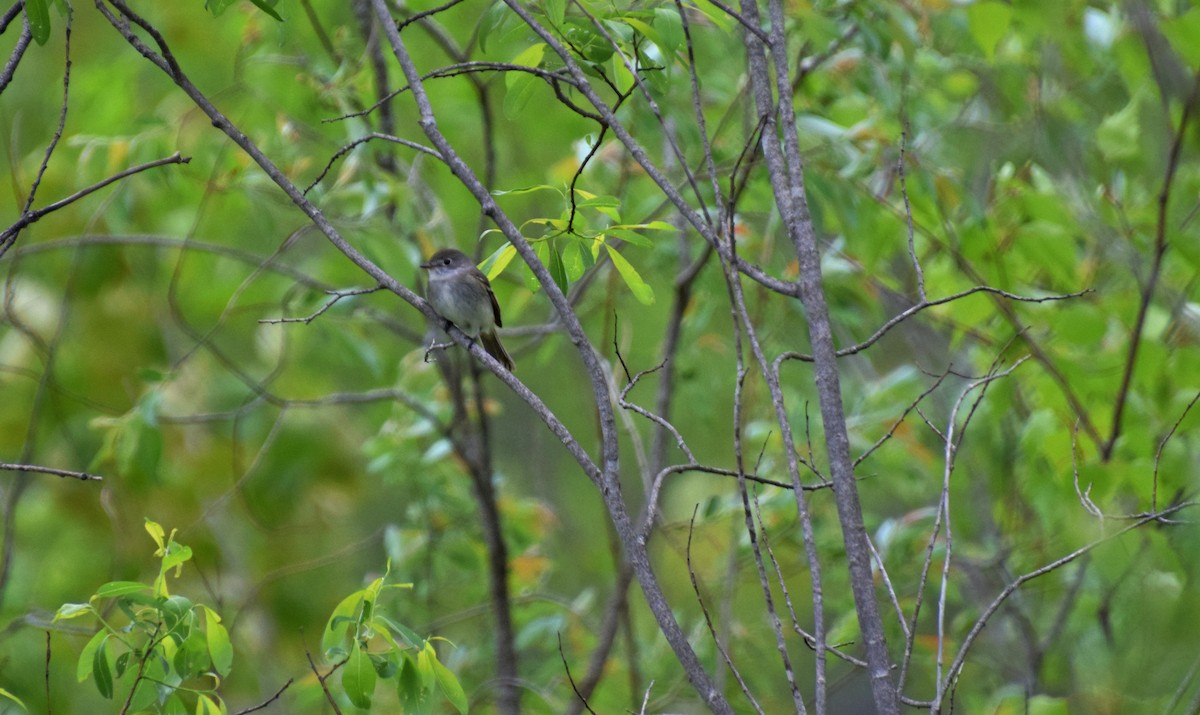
(1163, 444)
(362, 140)
(400, 25)
(62, 118)
(912, 250)
(926, 304)
(338, 295)
(321, 679)
(567, 669)
(65, 473)
(47, 675)
(30, 217)
(1084, 495)
(899, 420)
(737, 675)
(264, 704)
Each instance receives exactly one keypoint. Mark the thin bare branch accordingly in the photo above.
(65, 473)
(30, 217)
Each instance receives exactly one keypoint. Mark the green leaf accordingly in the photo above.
(14, 698)
(156, 532)
(495, 264)
(641, 290)
(1118, 135)
(68, 611)
(358, 678)
(112, 589)
(414, 694)
(83, 668)
(621, 76)
(219, 647)
(716, 15)
(102, 670)
(556, 11)
(408, 635)
(557, 271)
(492, 21)
(670, 28)
(38, 14)
(524, 190)
(206, 706)
(174, 706)
(266, 6)
(521, 86)
(988, 23)
(145, 693)
(1182, 31)
(629, 236)
(177, 554)
(216, 7)
(337, 629)
(450, 686)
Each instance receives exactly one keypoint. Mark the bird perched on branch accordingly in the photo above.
(461, 293)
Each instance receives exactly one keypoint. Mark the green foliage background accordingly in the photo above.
(1037, 144)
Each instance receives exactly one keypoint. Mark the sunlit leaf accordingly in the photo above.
(495, 264)
(641, 290)
(358, 678)
(450, 686)
(988, 21)
(521, 86)
(219, 647)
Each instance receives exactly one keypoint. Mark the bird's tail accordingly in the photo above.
(491, 343)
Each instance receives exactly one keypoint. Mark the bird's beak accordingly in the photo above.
(426, 266)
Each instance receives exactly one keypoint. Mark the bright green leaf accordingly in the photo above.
(1184, 34)
(450, 686)
(1117, 136)
(206, 706)
(14, 698)
(988, 23)
(556, 11)
(219, 647)
(344, 615)
(641, 290)
(416, 696)
(112, 589)
(68, 611)
(83, 667)
(495, 264)
(156, 532)
(174, 706)
(521, 86)
(358, 678)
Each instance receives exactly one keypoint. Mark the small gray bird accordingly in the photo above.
(461, 293)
